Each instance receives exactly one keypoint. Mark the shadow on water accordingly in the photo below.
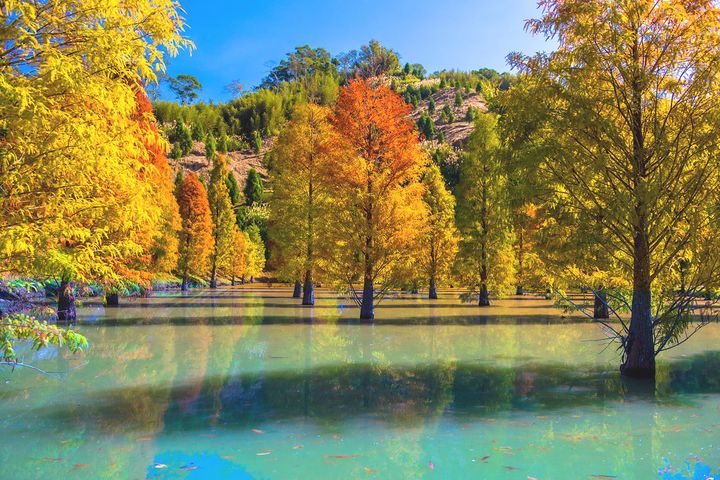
(265, 319)
(393, 394)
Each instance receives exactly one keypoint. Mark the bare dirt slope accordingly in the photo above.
(456, 132)
(241, 162)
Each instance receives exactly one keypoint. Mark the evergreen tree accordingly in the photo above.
(431, 106)
(197, 132)
(458, 99)
(222, 143)
(210, 147)
(253, 191)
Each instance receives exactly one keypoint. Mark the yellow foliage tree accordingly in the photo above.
(71, 192)
(301, 207)
(223, 217)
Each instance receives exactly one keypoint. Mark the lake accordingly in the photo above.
(244, 383)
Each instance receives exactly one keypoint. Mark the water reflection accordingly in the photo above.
(249, 400)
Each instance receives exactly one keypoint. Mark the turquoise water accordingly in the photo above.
(226, 384)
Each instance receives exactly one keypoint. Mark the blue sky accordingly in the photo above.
(242, 39)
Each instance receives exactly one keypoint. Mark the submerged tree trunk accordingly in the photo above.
(600, 307)
(484, 297)
(213, 275)
(367, 307)
(66, 309)
(308, 290)
(297, 289)
(112, 300)
(639, 345)
(484, 300)
(432, 291)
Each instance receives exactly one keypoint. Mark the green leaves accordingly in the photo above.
(19, 326)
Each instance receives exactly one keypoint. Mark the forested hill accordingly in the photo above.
(443, 106)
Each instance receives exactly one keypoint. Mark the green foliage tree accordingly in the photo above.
(458, 99)
(426, 127)
(254, 192)
(431, 106)
(486, 259)
(629, 141)
(222, 143)
(223, 217)
(185, 87)
(301, 207)
(440, 239)
(210, 147)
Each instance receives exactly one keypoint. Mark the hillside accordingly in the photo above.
(455, 133)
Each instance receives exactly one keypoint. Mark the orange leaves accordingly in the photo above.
(196, 240)
(377, 135)
(376, 183)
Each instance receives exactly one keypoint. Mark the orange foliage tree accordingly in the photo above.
(159, 239)
(196, 240)
(380, 208)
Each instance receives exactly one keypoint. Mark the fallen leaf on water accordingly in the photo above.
(511, 468)
(51, 459)
(264, 452)
(694, 459)
(187, 468)
(532, 478)
(255, 430)
(603, 477)
(484, 458)
(160, 465)
(297, 447)
(341, 456)
(80, 465)
(371, 470)
(431, 465)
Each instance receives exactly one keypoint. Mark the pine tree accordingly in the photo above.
(253, 191)
(210, 147)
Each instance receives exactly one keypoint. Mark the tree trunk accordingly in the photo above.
(600, 308)
(639, 345)
(112, 300)
(520, 290)
(367, 307)
(297, 290)
(432, 295)
(66, 309)
(308, 290)
(213, 276)
(184, 287)
(232, 281)
(484, 300)
(415, 289)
